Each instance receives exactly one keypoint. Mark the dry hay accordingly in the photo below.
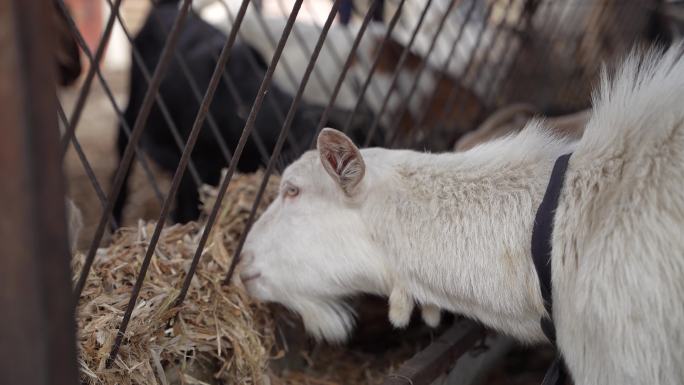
(218, 331)
(218, 335)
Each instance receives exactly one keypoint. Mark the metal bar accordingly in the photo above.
(338, 59)
(452, 101)
(133, 143)
(37, 328)
(345, 69)
(405, 104)
(307, 52)
(524, 24)
(451, 98)
(452, 54)
(397, 70)
(137, 58)
(255, 68)
(110, 95)
(192, 139)
(286, 67)
(251, 59)
(90, 173)
(278, 147)
(85, 90)
(438, 357)
(374, 66)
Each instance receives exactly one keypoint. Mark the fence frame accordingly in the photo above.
(37, 329)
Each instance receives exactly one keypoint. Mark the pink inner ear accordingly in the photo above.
(332, 160)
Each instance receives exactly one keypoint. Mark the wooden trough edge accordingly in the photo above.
(442, 354)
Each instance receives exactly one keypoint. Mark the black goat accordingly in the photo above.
(199, 45)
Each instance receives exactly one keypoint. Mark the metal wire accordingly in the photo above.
(337, 58)
(447, 62)
(99, 192)
(307, 53)
(523, 26)
(451, 102)
(85, 90)
(406, 102)
(374, 66)
(133, 143)
(252, 61)
(451, 95)
(110, 95)
(345, 69)
(137, 58)
(397, 71)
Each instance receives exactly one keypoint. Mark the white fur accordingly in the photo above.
(453, 231)
(338, 43)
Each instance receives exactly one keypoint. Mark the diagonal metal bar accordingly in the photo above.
(85, 90)
(452, 104)
(279, 144)
(374, 66)
(524, 23)
(334, 53)
(90, 173)
(192, 139)
(301, 42)
(345, 69)
(110, 95)
(255, 68)
(138, 127)
(423, 65)
(451, 96)
(452, 54)
(395, 76)
(138, 61)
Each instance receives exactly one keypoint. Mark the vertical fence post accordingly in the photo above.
(37, 343)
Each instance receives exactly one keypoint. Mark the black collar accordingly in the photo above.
(541, 255)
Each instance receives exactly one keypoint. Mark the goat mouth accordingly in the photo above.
(247, 278)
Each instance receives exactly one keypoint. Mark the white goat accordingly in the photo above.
(329, 65)
(454, 230)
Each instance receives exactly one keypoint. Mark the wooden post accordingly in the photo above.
(37, 339)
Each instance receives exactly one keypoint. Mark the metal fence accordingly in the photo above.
(401, 73)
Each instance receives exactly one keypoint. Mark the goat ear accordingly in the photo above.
(341, 159)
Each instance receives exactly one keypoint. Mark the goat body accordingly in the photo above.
(453, 231)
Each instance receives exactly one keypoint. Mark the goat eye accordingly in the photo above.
(290, 191)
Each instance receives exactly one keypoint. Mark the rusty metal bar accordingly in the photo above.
(343, 74)
(110, 95)
(452, 53)
(137, 60)
(395, 75)
(252, 61)
(278, 147)
(90, 173)
(407, 100)
(451, 98)
(299, 38)
(374, 66)
(335, 54)
(523, 26)
(438, 357)
(37, 329)
(133, 143)
(452, 104)
(85, 90)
